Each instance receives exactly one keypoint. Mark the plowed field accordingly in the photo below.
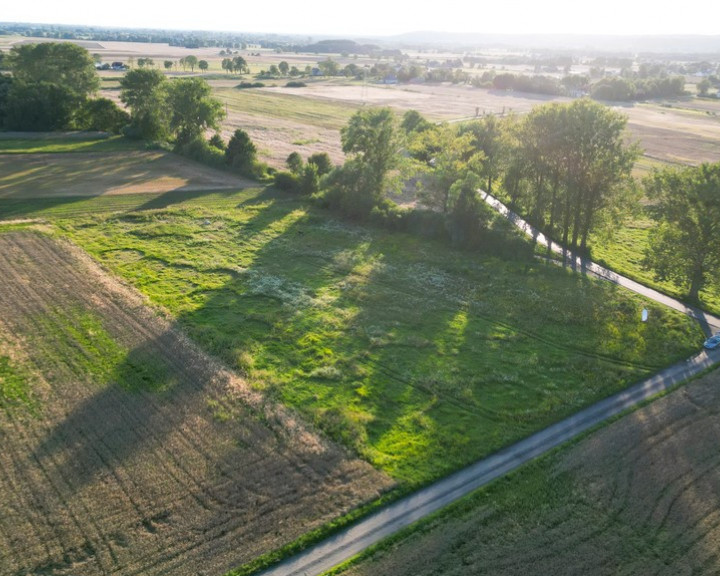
(125, 450)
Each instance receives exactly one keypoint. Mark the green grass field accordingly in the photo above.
(420, 358)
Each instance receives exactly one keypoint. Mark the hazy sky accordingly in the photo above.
(379, 17)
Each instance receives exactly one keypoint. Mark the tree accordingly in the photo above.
(144, 91)
(464, 221)
(449, 158)
(413, 121)
(576, 163)
(684, 247)
(274, 71)
(488, 137)
(284, 68)
(240, 65)
(194, 110)
(227, 65)
(191, 61)
(102, 114)
(703, 86)
(40, 106)
(168, 64)
(143, 62)
(203, 65)
(64, 64)
(371, 139)
(329, 67)
(241, 153)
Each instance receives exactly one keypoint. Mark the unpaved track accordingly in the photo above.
(197, 478)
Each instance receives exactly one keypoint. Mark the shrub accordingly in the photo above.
(102, 114)
(201, 151)
(241, 152)
(216, 141)
(246, 85)
(295, 84)
(295, 162)
(322, 161)
(287, 181)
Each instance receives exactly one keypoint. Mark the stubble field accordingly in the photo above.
(126, 450)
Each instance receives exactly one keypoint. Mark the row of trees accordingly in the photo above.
(162, 110)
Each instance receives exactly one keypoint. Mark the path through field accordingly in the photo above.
(125, 450)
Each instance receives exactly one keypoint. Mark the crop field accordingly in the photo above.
(127, 450)
(638, 497)
(418, 358)
(63, 174)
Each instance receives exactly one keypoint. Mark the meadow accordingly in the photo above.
(419, 358)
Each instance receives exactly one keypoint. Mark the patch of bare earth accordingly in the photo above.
(200, 476)
(47, 175)
(641, 497)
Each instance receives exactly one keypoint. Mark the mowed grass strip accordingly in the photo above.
(420, 358)
(56, 145)
(636, 497)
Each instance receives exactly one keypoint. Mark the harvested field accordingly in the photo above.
(128, 451)
(56, 175)
(638, 497)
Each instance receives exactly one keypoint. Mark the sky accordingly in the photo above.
(384, 17)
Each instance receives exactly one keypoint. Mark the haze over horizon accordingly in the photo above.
(377, 18)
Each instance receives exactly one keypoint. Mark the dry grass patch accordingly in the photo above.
(56, 175)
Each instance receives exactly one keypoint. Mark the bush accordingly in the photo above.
(295, 84)
(216, 141)
(241, 153)
(201, 151)
(246, 85)
(322, 161)
(103, 115)
(295, 162)
(287, 182)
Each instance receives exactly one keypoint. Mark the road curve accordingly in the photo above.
(402, 513)
(709, 322)
(358, 537)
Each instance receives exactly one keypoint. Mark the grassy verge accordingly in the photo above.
(419, 358)
(624, 253)
(54, 145)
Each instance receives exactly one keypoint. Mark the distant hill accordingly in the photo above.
(671, 44)
(340, 46)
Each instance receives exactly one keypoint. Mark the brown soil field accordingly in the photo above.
(133, 452)
(638, 497)
(47, 175)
